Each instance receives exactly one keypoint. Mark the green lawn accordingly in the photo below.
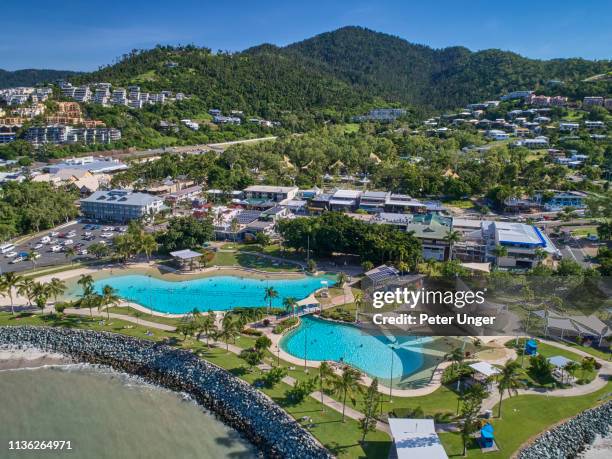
(127, 311)
(523, 417)
(251, 261)
(83, 322)
(460, 203)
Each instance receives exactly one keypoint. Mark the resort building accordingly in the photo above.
(378, 276)
(261, 193)
(373, 201)
(99, 165)
(345, 200)
(562, 199)
(522, 243)
(120, 205)
(431, 229)
(186, 194)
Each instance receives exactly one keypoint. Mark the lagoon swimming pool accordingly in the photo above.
(318, 339)
(219, 293)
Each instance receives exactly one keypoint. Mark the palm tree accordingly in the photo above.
(500, 251)
(26, 288)
(56, 288)
(70, 252)
(148, 245)
(40, 293)
(342, 280)
(326, 375)
(109, 298)
(452, 237)
(234, 227)
(86, 282)
(508, 380)
(347, 385)
(270, 294)
(208, 326)
(290, 303)
(228, 330)
(31, 256)
(358, 300)
(456, 356)
(9, 282)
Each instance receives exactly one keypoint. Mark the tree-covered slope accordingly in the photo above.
(265, 83)
(31, 77)
(398, 70)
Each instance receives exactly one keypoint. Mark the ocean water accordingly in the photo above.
(108, 415)
(218, 293)
(319, 339)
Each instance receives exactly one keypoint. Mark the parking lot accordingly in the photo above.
(52, 246)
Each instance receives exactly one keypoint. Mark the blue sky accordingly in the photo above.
(81, 35)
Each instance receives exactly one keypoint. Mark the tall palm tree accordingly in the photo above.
(358, 300)
(452, 237)
(31, 257)
(228, 330)
(56, 288)
(86, 282)
(326, 375)
(500, 251)
(290, 303)
(342, 280)
(69, 253)
(207, 325)
(109, 298)
(8, 283)
(347, 386)
(270, 294)
(148, 245)
(26, 288)
(508, 380)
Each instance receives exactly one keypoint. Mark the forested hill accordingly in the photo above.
(265, 83)
(31, 77)
(346, 70)
(395, 69)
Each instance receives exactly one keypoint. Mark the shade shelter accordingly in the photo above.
(483, 373)
(416, 439)
(185, 258)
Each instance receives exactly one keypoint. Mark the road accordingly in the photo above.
(198, 148)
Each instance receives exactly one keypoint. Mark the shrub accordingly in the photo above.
(284, 325)
(251, 332)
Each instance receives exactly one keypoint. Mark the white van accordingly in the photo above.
(45, 240)
(56, 248)
(4, 248)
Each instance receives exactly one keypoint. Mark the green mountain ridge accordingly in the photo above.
(344, 71)
(32, 77)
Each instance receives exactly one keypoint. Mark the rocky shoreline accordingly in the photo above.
(569, 439)
(235, 402)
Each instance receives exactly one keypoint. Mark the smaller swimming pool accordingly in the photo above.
(218, 293)
(319, 339)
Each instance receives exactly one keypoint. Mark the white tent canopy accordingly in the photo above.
(485, 369)
(416, 439)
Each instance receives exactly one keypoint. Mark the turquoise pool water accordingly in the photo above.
(319, 339)
(218, 293)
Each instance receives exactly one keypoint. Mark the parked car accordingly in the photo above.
(68, 242)
(11, 254)
(17, 260)
(83, 252)
(38, 246)
(45, 239)
(56, 248)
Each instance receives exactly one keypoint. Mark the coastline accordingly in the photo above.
(267, 426)
(18, 358)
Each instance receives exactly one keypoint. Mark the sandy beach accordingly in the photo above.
(14, 358)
